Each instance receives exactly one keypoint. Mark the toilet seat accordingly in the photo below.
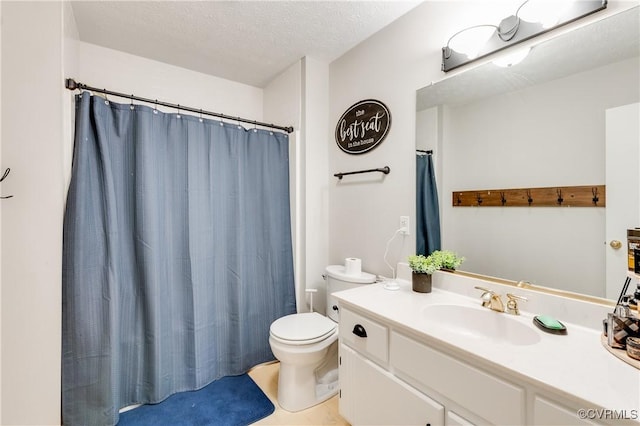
(302, 329)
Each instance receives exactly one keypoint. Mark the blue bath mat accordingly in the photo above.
(229, 401)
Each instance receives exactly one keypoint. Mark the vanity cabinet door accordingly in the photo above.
(546, 412)
(370, 395)
(487, 396)
(455, 420)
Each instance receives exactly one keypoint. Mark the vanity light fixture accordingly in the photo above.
(529, 20)
(510, 59)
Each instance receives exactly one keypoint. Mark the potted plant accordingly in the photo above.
(423, 266)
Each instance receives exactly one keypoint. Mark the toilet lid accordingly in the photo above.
(303, 328)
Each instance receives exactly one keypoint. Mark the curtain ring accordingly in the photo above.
(106, 99)
(155, 107)
(131, 107)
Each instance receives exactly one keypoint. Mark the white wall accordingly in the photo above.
(282, 104)
(32, 145)
(547, 135)
(70, 66)
(427, 129)
(315, 102)
(2, 168)
(126, 73)
(390, 66)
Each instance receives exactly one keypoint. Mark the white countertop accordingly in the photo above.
(575, 364)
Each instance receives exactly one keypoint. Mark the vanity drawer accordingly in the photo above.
(364, 335)
(490, 397)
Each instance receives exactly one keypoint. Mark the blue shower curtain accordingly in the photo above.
(427, 209)
(177, 255)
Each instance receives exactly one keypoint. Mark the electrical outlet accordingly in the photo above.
(404, 225)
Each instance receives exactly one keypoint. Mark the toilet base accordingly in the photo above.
(302, 387)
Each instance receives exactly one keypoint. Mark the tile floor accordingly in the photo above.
(266, 376)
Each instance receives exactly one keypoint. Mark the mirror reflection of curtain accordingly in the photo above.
(427, 209)
(177, 255)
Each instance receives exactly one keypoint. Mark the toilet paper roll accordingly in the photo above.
(352, 266)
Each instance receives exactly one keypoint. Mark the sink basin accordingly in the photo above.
(480, 324)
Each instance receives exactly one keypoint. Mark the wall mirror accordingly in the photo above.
(540, 123)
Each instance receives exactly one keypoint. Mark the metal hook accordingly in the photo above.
(6, 173)
(131, 107)
(178, 115)
(458, 199)
(478, 198)
(595, 198)
(155, 107)
(560, 199)
(201, 115)
(503, 200)
(4, 176)
(529, 199)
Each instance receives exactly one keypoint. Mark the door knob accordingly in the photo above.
(615, 244)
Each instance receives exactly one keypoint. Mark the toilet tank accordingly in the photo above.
(338, 280)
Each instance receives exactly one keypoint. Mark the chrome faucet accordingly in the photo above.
(493, 301)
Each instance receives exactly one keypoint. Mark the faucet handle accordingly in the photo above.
(486, 296)
(512, 303)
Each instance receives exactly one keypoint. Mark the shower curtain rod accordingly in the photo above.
(71, 84)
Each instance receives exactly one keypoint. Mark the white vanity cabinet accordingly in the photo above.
(392, 377)
(370, 392)
(370, 395)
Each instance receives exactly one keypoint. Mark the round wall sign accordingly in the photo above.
(363, 126)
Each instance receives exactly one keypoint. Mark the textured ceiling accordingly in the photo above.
(246, 41)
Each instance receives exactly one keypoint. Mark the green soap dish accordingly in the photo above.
(549, 324)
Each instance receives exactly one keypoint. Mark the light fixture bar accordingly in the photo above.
(525, 31)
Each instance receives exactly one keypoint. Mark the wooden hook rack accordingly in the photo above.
(555, 196)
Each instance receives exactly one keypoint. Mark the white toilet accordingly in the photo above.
(307, 347)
